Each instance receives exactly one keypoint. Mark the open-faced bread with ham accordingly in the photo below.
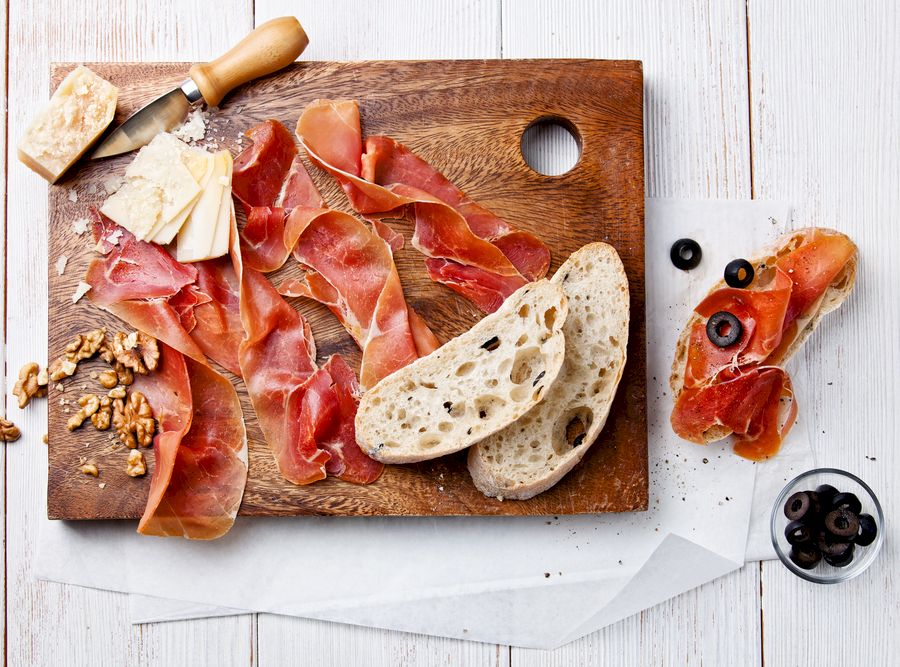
(531, 455)
(741, 389)
(472, 386)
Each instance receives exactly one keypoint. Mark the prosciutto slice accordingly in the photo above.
(478, 254)
(201, 450)
(349, 267)
(191, 307)
(740, 387)
(306, 413)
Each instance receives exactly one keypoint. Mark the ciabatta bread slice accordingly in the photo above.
(531, 455)
(834, 296)
(471, 387)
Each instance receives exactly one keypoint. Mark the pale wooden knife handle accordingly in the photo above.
(273, 45)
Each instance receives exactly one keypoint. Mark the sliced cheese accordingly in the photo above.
(200, 164)
(158, 188)
(196, 238)
(79, 111)
(226, 212)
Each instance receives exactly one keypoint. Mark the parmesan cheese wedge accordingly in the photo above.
(226, 213)
(158, 188)
(198, 236)
(79, 111)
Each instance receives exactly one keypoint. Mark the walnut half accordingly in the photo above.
(136, 466)
(89, 403)
(133, 419)
(136, 351)
(29, 384)
(9, 432)
(83, 346)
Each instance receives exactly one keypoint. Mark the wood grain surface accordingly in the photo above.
(466, 118)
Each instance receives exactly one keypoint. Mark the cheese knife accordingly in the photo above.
(270, 47)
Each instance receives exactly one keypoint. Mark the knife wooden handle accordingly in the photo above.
(273, 45)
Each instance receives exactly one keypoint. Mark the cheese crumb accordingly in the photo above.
(82, 289)
(113, 239)
(80, 226)
(193, 128)
(73, 196)
(61, 262)
(112, 184)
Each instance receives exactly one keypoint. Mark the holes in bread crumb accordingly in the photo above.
(401, 414)
(464, 369)
(520, 393)
(376, 401)
(522, 340)
(550, 318)
(445, 427)
(485, 406)
(491, 382)
(409, 385)
(613, 341)
(429, 385)
(524, 310)
(527, 364)
(491, 344)
(571, 428)
(429, 441)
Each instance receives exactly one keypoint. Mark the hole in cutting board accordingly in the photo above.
(551, 146)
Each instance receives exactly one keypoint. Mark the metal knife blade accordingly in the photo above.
(161, 115)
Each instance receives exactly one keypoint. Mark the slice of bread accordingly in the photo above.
(471, 387)
(834, 296)
(531, 455)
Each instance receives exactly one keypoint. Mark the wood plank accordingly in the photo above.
(48, 623)
(353, 30)
(4, 386)
(438, 109)
(825, 105)
(697, 146)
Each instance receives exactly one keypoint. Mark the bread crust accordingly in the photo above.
(834, 296)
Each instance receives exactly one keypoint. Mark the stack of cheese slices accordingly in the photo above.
(173, 191)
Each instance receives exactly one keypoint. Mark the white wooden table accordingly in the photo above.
(763, 98)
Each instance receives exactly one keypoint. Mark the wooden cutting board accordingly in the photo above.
(467, 119)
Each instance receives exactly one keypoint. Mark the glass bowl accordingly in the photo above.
(823, 573)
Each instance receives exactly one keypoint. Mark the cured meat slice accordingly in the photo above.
(200, 469)
(191, 307)
(757, 405)
(260, 171)
(387, 180)
(306, 413)
(351, 270)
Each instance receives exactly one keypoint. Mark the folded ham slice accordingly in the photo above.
(470, 249)
(191, 307)
(741, 387)
(201, 450)
(349, 267)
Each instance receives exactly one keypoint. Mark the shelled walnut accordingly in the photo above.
(136, 465)
(89, 403)
(83, 346)
(133, 420)
(32, 383)
(108, 379)
(136, 351)
(103, 416)
(9, 432)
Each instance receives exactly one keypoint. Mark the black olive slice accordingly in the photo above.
(826, 492)
(846, 500)
(842, 524)
(685, 254)
(799, 507)
(831, 546)
(724, 329)
(797, 532)
(868, 530)
(805, 556)
(841, 560)
(739, 273)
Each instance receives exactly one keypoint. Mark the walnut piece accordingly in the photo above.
(102, 417)
(136, 465)
(123, 374)
(83, 346)
(108, 379)
(136, 351)
(89, 403)
(89, 469)
(133, 419)
(29, 384)
(9, 432)
(118, 392)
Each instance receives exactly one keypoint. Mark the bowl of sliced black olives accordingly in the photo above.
(827, 526)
